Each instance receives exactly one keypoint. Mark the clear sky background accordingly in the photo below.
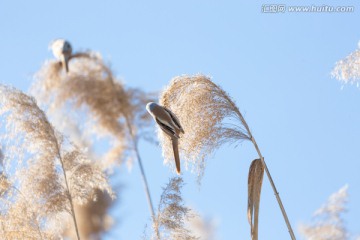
(275, 66)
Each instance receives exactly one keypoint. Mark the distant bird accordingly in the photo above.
(170, 124)
(62, 50)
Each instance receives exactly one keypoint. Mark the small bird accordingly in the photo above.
(62, 50)
(170, 124)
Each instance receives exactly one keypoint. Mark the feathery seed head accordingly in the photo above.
(92, 88)
(347, 70)
(172, 214)
(207, 113)
(37, 160)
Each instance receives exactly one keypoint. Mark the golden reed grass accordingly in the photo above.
(201, 107)
(111, 109)
(45, 174)
(209, 118)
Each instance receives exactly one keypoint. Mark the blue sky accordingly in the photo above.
(275, 66)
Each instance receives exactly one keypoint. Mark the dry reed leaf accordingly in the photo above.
(208, 116)
(255, 178)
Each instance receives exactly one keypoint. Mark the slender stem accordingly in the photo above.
(275, 191)
(269, 177)
(135, 146)
(146, 185)
(68, 189)
(242, 119)
(136, 149)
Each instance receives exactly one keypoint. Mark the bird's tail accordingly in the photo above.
(65, 63)
(176, 154)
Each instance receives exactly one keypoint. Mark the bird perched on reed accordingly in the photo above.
(62, 50)
(170, 124)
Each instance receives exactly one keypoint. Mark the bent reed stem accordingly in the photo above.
(292, 235)
(242, 119)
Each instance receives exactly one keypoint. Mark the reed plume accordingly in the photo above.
(112, 109)
(205, 112)
(328, 222)
(46, 174)
(209, 118)
(87, 87)
(171, 216)
(93, 217)
(347, 70)
(203, 227)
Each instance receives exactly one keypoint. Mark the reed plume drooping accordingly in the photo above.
(207, 114)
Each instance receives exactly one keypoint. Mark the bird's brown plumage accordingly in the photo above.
(170, 124)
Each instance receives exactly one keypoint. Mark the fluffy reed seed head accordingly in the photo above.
(347, 70)
(208, 116)
(88, 84)
(328, 222)
(203, 227)
(172, 214)
(36, 159)
(91, 85)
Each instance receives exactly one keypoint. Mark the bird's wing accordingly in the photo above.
(168, 130)
(176, 154)
(175, 119)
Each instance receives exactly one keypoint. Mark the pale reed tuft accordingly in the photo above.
(328, 220)
(208, 116)
(169, 222)
(90, 85)
(203, 227)
(109, 108)
(46, 173)
(347, 70)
